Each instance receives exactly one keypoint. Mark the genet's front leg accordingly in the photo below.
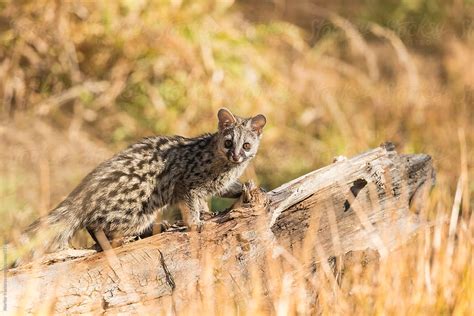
(191, 209)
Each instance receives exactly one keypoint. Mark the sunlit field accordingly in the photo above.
(80, 80)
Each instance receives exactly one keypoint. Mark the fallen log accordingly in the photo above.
(372, 201)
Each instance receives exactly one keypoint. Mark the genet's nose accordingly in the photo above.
(235, 157)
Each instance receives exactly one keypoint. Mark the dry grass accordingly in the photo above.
(79, 80)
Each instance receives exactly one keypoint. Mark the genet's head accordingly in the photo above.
(239, 137)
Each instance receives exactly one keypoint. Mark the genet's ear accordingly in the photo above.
(226, 118)
(257, 123)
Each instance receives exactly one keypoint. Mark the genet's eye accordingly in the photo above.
(246, 146)
(228, 143)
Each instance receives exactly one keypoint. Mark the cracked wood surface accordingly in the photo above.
(370, 201)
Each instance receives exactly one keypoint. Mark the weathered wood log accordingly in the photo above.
(370, 201)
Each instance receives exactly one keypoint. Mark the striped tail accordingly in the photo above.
(47, 234)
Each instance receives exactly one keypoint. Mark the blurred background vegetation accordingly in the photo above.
(80, 80)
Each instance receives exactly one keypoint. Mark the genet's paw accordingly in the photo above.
(196, 227)
(165, 225)
(247, 189)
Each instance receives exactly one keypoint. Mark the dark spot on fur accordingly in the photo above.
(112, 193)
(161, 142)
(144, 210)
(138, 177)
(141, 163)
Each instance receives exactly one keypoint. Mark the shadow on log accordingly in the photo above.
(372, 201)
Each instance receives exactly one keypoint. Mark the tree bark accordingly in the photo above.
(372, 201)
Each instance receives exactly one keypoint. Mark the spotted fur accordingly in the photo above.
(122, 195)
